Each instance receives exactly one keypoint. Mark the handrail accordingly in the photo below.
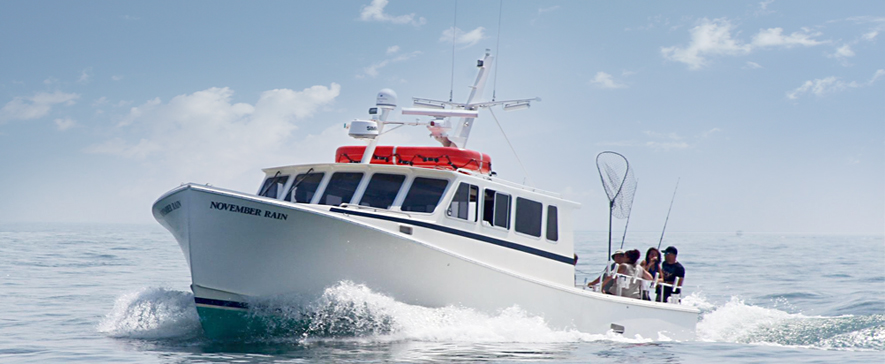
(509, 183)
(376, 209)
(649, 286)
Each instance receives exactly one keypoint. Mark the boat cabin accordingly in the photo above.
(504, 224)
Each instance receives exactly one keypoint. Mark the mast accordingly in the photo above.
(465, 124)
(386, 101)
(440, 111)
(434, 108)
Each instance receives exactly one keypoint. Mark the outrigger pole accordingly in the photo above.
(668, 214)
(441, 111)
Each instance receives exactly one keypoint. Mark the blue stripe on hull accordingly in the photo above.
(466, 234)
(220, 303)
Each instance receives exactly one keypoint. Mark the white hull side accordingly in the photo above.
(236, 255)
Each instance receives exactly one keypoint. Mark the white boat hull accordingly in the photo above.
(240, 247)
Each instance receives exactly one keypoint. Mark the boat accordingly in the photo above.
(428, 226)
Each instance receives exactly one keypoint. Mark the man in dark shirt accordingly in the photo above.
(670, 269)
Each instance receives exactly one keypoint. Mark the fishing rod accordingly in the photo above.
(668, 214)
(624, 237)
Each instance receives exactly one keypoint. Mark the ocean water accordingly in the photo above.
(120, 293)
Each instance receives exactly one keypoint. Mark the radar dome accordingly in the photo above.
(386, 97)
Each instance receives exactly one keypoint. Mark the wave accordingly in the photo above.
(354, 310)
(349, 311)
(738, 322)
(153, 313)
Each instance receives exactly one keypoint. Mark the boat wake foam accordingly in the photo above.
(353, 310)
(349, 311)
(153, 313)
(739, 322)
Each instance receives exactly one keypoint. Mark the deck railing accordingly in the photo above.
(648, 288)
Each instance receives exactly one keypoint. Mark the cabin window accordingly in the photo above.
(488, 206)
(382, 190)
(341, 187)
(502, 210)
(528, 217)
(304, 187)
(496, 208)
(273, 186)
(465, 203)
(424, 194)
(552, 221)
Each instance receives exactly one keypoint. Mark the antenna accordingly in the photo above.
(454, 28)
(497, 48)
(440, 111)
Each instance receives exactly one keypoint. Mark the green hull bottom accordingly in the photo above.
(226, 324)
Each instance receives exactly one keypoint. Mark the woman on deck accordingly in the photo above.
(628, 283)
(652, 265)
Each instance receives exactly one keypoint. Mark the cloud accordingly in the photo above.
(461, 38)
(654, 22)
(547, 10)
(667, 145)
(708, 38)
(392, 49)
(206, 135)
(774, 37)
(664, 141)
(878, 25)
(710, 132)
(876, 76)
(375, 12)
(819, 87)
(843, 52)
(822, 86)
(35, 107)
(85, 75)
(714, 38)
(604, 80)
(541, 12)
(372, 71)
(753, 65)
(116, 78)
(670, 135)
(119, 147)
(763, 9)
(65, 124)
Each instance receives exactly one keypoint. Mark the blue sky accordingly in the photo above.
(770, 113)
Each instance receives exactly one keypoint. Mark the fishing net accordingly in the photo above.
(618, 182)
(620, 186)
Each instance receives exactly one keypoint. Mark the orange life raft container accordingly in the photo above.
(426, 157)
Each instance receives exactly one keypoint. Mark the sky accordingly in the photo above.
(770, 115)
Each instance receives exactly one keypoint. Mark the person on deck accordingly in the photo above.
(652, 265)
(618, 258)
(631, 285)
(670, 269)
